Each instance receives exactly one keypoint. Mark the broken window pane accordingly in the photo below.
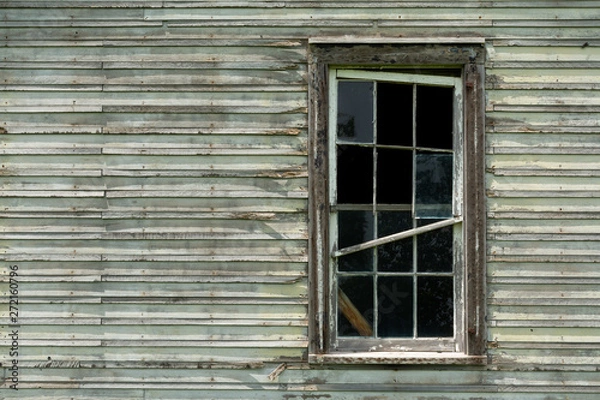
(435, 306)
(355, 306)
(435, 108)
(394, 114)
(395, 306)
(355, 175)
(394, 176)
(355, 111)
(434, 185)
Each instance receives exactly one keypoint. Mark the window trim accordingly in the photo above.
(469, 58)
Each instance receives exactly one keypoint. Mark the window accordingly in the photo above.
(396, 203)
(395, 207)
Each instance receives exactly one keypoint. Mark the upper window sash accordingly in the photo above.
(405, 78)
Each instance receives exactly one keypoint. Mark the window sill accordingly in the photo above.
(398, 358)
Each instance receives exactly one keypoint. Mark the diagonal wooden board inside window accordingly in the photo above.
(353, 316)
(396, 236)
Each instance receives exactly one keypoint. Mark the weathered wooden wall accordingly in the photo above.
(543, 144)
(154, 197)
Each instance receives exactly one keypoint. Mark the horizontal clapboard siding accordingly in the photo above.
(544, 211)
(156, 200)
(299, 19)
(275, 381)
(154, 196)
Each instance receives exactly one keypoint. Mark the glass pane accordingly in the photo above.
(355, 227)
(361, 261)
(434, 185)
(396, 256)
(395, 306)
(435, 307)
(355, 306)
(390, 222)
(435, 108)
(394, 114)
(354, 175)
(394, 176)
(355, 111)
(435, 250)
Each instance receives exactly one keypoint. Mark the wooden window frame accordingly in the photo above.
(469, 58)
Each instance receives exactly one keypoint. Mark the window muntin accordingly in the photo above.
(396, 203)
